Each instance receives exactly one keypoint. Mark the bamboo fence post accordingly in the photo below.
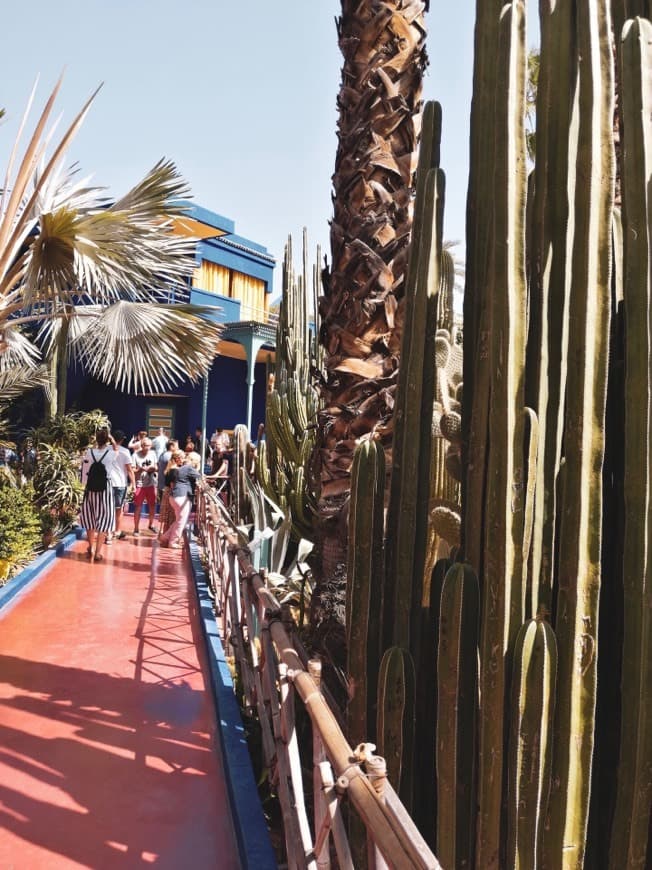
(338, 828)
(320, 806)
(295, 853)
(265, 727)
(289, 732)
(394, 844)
(237, 640)
(376, 768)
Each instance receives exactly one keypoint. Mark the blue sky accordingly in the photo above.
(240, 95)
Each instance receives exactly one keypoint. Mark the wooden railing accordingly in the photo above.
(274, 672)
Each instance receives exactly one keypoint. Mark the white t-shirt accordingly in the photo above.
(142, 460)
(119, 474)
(106, 455)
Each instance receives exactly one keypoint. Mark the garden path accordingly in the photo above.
(108, 747)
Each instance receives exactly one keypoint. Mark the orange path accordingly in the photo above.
(108, 747)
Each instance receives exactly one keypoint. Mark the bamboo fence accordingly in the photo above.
(274, 674)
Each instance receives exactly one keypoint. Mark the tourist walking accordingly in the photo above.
(181, 479)
(163, 460)
(97, 514)
(220, 440)
(122, 476)
(191, 455)
(165, 513)
(145, 470)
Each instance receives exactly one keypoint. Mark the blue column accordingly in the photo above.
(252, 344)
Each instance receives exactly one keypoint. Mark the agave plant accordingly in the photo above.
(98, 272)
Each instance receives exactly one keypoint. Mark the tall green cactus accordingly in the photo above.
(530, 452)
(632, 810)
(549, 280)
(576, 623)
(292, 403)
(457, 701)
(365, 588)
(411, 456)
(396, 719)
(530, 742)
(504, 509)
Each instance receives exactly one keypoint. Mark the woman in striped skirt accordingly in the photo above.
(97, 511)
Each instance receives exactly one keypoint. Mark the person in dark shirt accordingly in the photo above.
(181, 479)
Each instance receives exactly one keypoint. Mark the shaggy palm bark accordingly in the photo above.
(383, 45)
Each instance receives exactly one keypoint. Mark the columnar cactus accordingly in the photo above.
(530, 742)
(457, 701)
(292, 403)
(632, 811)
(412, 449)
(365, 588)
(396, 719)
(529, 448)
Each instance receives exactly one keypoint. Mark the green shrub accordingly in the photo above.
(20, 529)
(57, 488)
(73, 432)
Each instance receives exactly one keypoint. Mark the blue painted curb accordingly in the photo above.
(251, 830)
(9, 591)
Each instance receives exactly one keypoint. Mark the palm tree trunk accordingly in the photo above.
(58, 370)
(383, 45)
(62, 368)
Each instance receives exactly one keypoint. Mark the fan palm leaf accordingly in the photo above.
(17, 351)
(148, 348)
(19, 379)
(83, 247)
(62, 243)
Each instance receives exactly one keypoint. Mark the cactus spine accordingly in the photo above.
(457, 699)
(530, 742)
(632, 811)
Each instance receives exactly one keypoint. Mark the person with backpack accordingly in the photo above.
(97, 511)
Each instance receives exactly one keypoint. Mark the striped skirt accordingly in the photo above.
(98, 510)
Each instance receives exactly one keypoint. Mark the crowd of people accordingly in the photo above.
(158, 471)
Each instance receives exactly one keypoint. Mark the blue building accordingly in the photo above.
(236, 275)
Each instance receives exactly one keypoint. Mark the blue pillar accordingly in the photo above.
(252, 344)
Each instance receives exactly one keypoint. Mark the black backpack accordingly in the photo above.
(97, 476)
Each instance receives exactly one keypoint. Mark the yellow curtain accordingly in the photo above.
(251, 293)
(212, 278)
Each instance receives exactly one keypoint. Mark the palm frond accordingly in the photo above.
(106, 253)
(17, 220)
(77, 319)
(18, 379)
(148, 347)
(159, 192)
(17, 351)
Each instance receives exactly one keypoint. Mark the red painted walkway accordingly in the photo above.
(108, 748)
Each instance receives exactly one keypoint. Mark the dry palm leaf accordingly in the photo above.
(148, 348)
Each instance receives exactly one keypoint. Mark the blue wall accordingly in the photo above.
(227, 400)
(227, 395)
